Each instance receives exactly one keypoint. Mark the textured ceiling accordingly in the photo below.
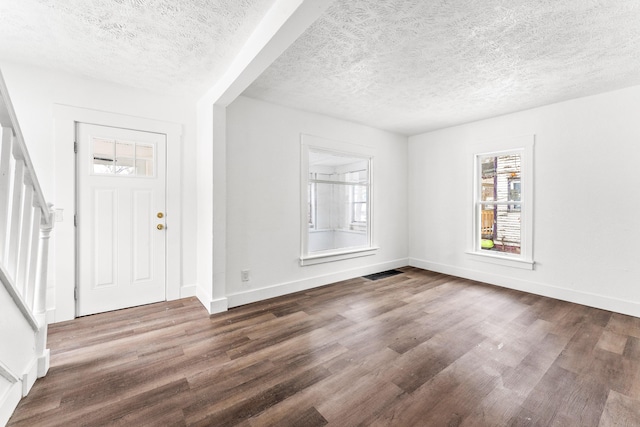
(408, 66)
(161, 45)
(412, 65)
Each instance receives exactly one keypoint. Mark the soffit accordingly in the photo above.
(162, 45)
(412, 66)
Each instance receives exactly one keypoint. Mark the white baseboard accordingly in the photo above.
(10, 395)
(254, 295)
(603, 302)
(12, 388)
(50, 316)
(30, 376)
(43, 363)
(213, 306)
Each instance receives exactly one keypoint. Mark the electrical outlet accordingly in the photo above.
(244, 275)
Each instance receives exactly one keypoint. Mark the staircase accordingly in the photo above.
(25, 224)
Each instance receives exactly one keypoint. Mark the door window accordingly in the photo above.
(122, 158)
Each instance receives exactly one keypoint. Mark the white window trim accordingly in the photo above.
(310, 142)
(313, 227)
(523, 145)
(331, 256)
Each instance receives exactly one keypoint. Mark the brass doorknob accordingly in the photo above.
(160, 215)
(160, 227)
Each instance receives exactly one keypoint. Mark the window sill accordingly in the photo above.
(341, 230)
(336, 256)
(505, 261)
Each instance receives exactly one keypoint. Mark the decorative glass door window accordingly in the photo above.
(122, 158)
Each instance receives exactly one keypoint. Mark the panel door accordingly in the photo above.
(120, 218)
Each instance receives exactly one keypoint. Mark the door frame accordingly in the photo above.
(65, 244)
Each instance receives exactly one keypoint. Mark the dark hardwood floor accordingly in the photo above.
(416, 349)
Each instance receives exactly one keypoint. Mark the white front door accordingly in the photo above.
(120, 218)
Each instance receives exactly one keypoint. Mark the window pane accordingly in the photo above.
(103, 155)
(356, 173)
(337, 167)
(514, 189)
(125, 158)
(500, 228)
(360, 212)
(358, 207)
(337, 201)
(333, 225)
(488, 191)
(487, 222)
(144, 160)
(359, 193)
(325, 206)
(500, 178)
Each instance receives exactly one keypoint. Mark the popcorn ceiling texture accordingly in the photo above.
(408, 66)
(160, 45)
(412, 66)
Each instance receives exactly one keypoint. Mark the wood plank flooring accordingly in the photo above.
(415, 349)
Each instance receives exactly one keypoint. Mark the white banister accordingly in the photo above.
(25, 236)
(6, 373)
(26, 221)
(32, 273)
(40, 307)
(5, 181)
(17, 298)
(15, 217)
(25, 218)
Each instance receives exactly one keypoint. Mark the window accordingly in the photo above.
(499, 203)
(122, 158)
(337, 212)
(502, 204)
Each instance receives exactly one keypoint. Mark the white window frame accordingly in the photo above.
(352, 207)
(312, 205)
(522, 145)
(314, 143)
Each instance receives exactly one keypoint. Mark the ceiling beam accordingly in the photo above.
(279, 29)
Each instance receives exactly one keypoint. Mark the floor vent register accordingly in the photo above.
(382, 275)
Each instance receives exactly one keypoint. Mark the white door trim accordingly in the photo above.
(63, 257)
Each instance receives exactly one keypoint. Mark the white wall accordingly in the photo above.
(586, 204)
(263, 207)
(586, 155)
(34, 91)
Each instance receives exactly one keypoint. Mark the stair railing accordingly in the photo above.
(26, 222)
